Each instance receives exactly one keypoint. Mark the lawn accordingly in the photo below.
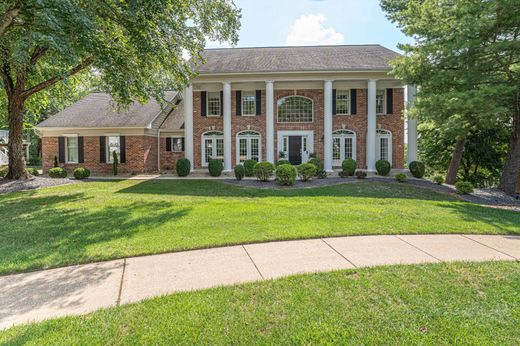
(96, 221)
(449, 303)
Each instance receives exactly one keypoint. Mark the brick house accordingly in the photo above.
(249, 103)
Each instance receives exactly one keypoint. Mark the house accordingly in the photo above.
(249, 103)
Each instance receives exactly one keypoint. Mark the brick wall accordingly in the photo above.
(169, 158)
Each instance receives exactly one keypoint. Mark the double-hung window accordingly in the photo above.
(177, 144)
(342, 101)
(113, 145)
(248, 103)
(213, 103)
(380, 102)
(72, 154)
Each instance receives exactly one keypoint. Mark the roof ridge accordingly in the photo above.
(305, 46)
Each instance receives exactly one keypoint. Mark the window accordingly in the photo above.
(248, 103)
(248, 146)
(295, 109)
(384, 145)
(112, 146)
(342, 101)
(177, 144)
(213, 103)
(212, 146)
(72, 149)
(380, 102)
(343, 146)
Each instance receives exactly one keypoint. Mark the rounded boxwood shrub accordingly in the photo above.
(463, 187)
(417, 169)
(320, 172)
(81, 173)
(348, 167)
(240, 172)
(306, 171)
(215, 167)
(33, 171)
(438, 179)
(400, 177)
(183, 167)
(249, 166)
(57, 172)
(286, 174)
(383, 167)
(361, 174)
(263, 170)
(282, 162)
(3, 171)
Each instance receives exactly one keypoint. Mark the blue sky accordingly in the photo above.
(313, 22)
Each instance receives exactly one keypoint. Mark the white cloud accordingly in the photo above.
(309, 30)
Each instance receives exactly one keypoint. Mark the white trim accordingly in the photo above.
(242, 103)
(67, 136)
(293, 122)
(349, 101)
(177, 136)
(203, 145)
(384, 101)
(379, 135)
(207, 105)
(310, 142)
(351, 135)
(249, 137)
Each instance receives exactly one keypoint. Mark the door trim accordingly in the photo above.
(310, 141)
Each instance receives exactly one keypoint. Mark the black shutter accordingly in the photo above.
(333, 101)
(102, 149)
(61, 149)
(389, 101)
(221, 102)
(259, 102)
(81, 158)
(182, 144)
(203, 103)
(353, 101)
(168, 144)
(239, 102)
(122, 149)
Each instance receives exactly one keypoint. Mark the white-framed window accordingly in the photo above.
(384, 145)
(342, 102)
(177, 144)
(343, 146)
(380, 102)
(213, 103)
(113, 145)
(71, 149)
(295, 109)
(249, 146)
(248, 103)
(212, 146)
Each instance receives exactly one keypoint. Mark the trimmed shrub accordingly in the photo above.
(348, 167)
(383, 167)
(400, 177)
(263, 170)
(320, 172)
(361, 174)
(249, 166)
(306, 171)
(183, 167)
(286, 174)
(417, 169)
(56, 162)
(438, 179)
(240, 172)
(463, 187)
(282, 162)
(215, 167)
(81, 173)
(3, 171)
(57, 172)
(33, 171)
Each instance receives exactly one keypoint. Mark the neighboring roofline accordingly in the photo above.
(149, 125)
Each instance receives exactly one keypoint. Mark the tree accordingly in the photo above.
(466, 52)
(134, 47)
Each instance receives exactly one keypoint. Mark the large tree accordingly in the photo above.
(466, 51)
(134, 47)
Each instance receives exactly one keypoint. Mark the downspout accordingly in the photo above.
(159, 150)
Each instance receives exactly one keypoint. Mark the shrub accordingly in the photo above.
(417, 169)
(361, 174)
(400, 177)
(383, 167)
(81, 173)
(240, 171)
(57, 172)
(263, 170)
(313, 155)
(56, 162)
(215, 167)
(348, 167)
(249, 166)
(463, 187)
(115, 163)
(33, 171)
(183, 167)
(282, 162)
(3, 171)
(286, 174)
(320, 172)
(438, 179)
(306, 171)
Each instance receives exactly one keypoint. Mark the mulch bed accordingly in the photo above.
(32, 183)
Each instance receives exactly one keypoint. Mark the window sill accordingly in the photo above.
(213, 116)
(343, 114)
(248, 115)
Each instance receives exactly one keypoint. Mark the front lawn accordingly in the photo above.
(96, 221)
(437, 304)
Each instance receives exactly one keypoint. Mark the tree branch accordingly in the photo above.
(38, 53)
(8, 20)
(6, 77)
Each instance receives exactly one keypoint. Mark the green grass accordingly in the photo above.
(454, 303)
(104, 220)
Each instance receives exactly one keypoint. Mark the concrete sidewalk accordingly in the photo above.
(80, 289)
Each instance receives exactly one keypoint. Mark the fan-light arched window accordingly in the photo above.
(384, 145)
(295, 109)
(249, 146)
(212, 146)
(343, 146)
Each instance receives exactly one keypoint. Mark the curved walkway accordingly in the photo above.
(80, 289)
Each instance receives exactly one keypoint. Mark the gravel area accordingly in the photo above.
(32, 183)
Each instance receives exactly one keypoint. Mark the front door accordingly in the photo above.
(295, 150)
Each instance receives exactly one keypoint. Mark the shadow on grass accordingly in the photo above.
(502, 220)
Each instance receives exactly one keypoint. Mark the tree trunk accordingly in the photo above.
(451, 176)
(509, 180)
(15, 145)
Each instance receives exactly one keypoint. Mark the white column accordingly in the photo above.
(269, 121)
(327, 126)
(412, 123)
(188, 124)
(227, 126)
(371, 125)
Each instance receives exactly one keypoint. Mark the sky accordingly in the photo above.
(314, 22)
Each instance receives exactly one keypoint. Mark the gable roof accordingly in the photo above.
(290, 59)
(98, 109)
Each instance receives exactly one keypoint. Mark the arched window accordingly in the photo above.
(384, 145)
(343, 146)
(249, 146)
(212, 146)
(295, 109)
